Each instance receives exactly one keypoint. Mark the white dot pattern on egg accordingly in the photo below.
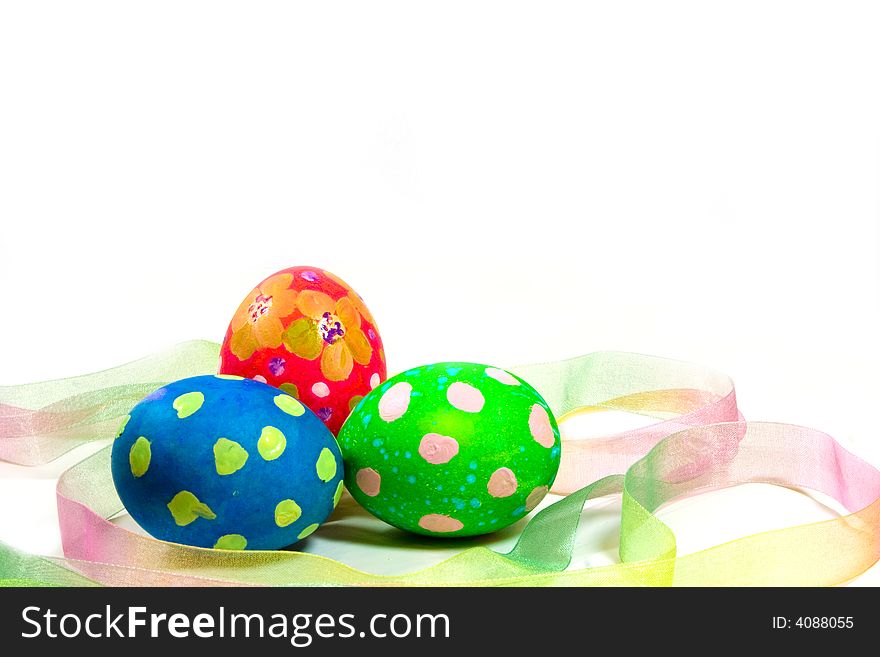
(465, 397)
(502, 376)
(539, 425)
(502, 483)
(395, 401)
(369, 481)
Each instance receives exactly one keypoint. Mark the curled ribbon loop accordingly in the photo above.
(41, 421)
(698, 443)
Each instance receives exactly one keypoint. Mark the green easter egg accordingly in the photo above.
(451, 449)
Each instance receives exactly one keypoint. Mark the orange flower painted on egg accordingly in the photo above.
(257, 322)
(330, 329)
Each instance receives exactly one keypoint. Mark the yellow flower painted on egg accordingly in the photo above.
(355, 299)
(329, 329)
(257, 322)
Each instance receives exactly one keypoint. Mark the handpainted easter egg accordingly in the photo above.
(452, 449)
(307, 332)
(226, 462)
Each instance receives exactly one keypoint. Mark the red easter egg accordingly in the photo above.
(309, 333)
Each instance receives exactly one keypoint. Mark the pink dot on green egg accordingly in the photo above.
(535, 497)
(395, 401)
(465, 397)
(502, 376)
(438, 449)
(369, 481)
(502, 483)
(435, 522)
(539, 425)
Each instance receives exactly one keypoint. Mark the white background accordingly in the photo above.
(504, 182)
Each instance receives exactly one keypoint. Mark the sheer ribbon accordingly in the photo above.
(699, 442)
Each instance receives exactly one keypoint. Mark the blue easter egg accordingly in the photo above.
(225, 462)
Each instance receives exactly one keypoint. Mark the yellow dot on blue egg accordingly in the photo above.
(326, 465)
(271, 443)
(231, 542)
(289, 405)
(139, 457)
(229, 456)
(307, 531)
(185, 507)
(188, 403)
(287, 512)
